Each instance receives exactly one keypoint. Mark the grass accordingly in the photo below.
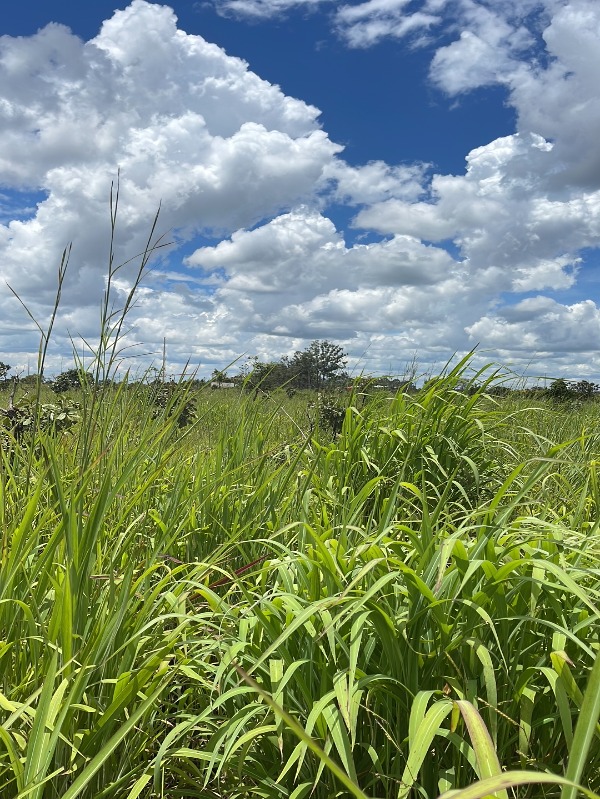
(248, 608)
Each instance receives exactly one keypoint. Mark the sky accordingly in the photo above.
(410, 179)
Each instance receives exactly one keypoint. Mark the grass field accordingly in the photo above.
(252, 606)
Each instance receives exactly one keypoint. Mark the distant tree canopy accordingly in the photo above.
(66, 380)
(219, 376)
(320, 365)
(561, 390)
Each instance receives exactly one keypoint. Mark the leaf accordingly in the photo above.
(417, 714)
(109, 747)
(299, 731)
(512, 779)
(15, 759)
(139, 786)
(490, 685)
(339, 735)
(424, 735)
(487, 760)
(38, 755)
(584, 731)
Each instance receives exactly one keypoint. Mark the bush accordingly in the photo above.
(169, 399)
(18, 419)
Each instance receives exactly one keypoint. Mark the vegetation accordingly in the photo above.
(322, 364)
(252, 605)
(239, 594)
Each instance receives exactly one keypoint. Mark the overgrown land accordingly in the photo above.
(237, 594)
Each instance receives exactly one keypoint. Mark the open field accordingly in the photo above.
(252, 606)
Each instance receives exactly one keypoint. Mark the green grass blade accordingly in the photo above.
(301, 734)
(97, 762)
(584, 731)
(492, 786)
(37, 756)
(489, 679)
(483, 746)
(423, 738)
(14, 757)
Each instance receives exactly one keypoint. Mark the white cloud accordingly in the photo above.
(375, 182)
(361, 25)
(504, 215)
(303, 252)
(542, 326)
(561, 101)
(491, 42)
(260, 9)
(296, 277)
(367, 23)
(224, 150)
(527, 203)
(519, 216)
(186, 123)
(482, 27)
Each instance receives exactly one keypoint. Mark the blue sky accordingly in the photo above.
(401, 176)
(376, 101)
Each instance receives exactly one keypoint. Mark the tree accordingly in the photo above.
(320, 363)
(219, 376)
(71, 379)
(559, 390)
(584, 389)
(4, 370)
(270, 375)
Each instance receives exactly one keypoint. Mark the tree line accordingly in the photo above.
(320, 366)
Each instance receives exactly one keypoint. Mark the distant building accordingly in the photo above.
(216, 384)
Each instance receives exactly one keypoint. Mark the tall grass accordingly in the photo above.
(252, 607)
(392, 591)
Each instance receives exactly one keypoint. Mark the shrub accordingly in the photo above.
(170, 398)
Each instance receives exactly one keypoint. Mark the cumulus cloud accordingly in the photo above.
(186, 123)
(516, 221)
(234, 158)
(561, 101)
(296, 277)
(374, 182)
(302, 252)
(504, 214)
(491, 40)
(529, 203)
(542, 326)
